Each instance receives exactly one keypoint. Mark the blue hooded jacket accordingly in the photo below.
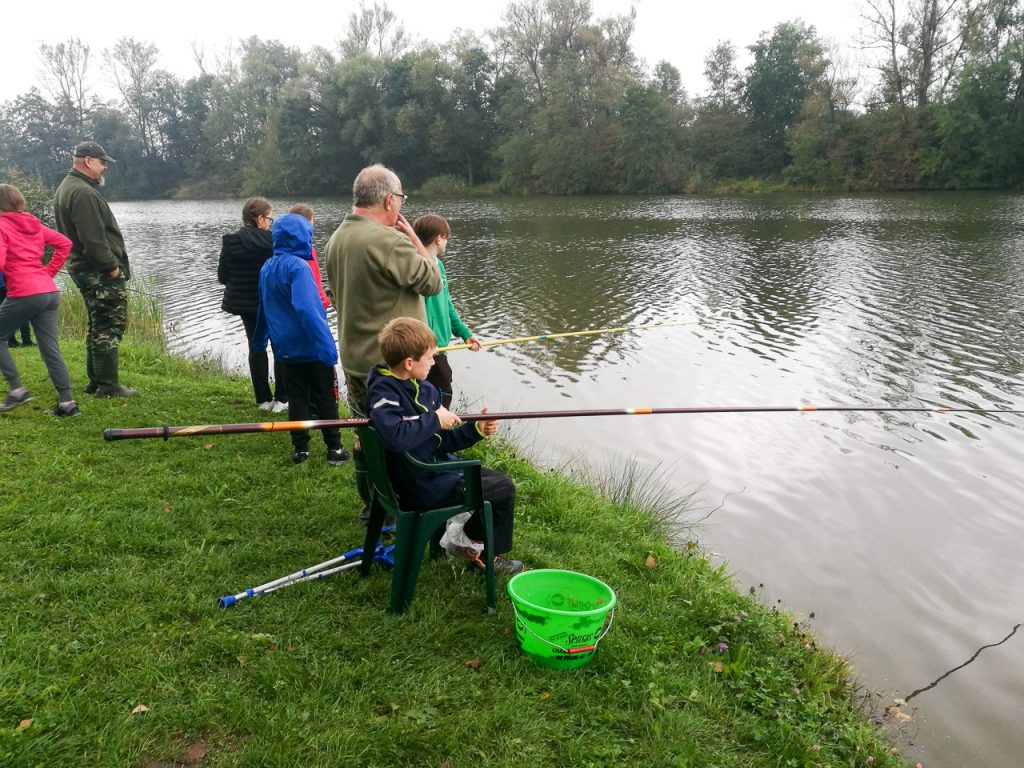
(290, 312)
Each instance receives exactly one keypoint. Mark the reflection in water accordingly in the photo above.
(902, 532)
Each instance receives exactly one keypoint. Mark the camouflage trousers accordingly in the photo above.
(106, 303)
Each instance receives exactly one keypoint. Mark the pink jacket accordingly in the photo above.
(22, 242)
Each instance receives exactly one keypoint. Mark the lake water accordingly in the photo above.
(900, 534)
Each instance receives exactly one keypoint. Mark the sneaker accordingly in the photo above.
(300, 456)
(267, 406)
(15, 398)
(69, 408)
(509, 566)
(278, 407)
(338, 457)
(501, 565)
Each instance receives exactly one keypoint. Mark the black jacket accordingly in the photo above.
(242, 255)
(404, 414)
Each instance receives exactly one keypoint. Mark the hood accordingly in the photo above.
(293, 236)
(253, 238)
(24, 223)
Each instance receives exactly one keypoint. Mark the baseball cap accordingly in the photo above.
(92, 149)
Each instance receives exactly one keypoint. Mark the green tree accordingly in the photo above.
(573, 70)
(787, 66)
(648, 146)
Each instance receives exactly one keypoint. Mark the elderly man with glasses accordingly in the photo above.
(98, 265)
(378, 270)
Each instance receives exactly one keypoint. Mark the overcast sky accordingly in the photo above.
(672, 30)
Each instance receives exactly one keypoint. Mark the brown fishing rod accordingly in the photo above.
(167, 432)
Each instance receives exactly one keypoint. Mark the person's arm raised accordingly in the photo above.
(403, 226)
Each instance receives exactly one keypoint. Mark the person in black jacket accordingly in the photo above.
(242, 255)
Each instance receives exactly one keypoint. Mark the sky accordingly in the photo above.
(672, 30)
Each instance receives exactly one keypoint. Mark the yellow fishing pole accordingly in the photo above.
(547, 336)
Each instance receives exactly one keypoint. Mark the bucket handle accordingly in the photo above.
(569, 651)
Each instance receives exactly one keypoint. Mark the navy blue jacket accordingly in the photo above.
(404, 413)
(290, 312)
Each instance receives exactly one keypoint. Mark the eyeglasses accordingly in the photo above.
(399, 194)
(270, 219)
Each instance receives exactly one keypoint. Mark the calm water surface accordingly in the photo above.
(900, 533)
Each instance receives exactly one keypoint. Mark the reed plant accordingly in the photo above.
(113, 650)
(145, 315)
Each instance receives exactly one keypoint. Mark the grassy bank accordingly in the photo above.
(113, 555)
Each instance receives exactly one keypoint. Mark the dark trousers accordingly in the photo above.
(259, 368)
(26, 332)
(311, 389)
(501, 492)
(441, 377)
(41, 309)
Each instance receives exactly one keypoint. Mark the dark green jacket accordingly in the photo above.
(84, 217)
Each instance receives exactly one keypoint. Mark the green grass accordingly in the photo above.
(113, 555)
(145, 316)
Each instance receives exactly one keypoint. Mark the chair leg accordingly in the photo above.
(373, 529)
(424, 537)
(489, 557)
(405, 544)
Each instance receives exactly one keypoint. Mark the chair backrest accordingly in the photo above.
(376, 458)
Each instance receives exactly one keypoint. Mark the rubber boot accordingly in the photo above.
(90, 370)
(105, 363)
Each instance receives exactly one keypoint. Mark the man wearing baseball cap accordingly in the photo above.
(98, 264)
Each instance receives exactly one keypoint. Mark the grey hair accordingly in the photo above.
(372, 185)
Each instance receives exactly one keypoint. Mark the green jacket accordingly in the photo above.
(84, 217)
(442, 316)
(376, 275)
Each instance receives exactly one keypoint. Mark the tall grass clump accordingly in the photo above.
(145, 314)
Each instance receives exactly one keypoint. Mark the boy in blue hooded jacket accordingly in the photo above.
(292, 316)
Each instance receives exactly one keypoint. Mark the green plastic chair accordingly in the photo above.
(415, 529)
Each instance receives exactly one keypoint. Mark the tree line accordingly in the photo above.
(552, 101)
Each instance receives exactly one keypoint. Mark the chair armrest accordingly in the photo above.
(440, 466)
(471, 476)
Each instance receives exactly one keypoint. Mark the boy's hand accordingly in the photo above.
(447, 418)
(474, 343)
(488, 428)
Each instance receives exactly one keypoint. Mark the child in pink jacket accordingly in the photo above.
(31, 296)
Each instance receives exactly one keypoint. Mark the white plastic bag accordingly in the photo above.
(455, 541)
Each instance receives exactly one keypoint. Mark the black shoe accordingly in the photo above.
(13, 400)
(338, 457)
(13, 342)
(300, 456)
(27, 343)
(65, 409)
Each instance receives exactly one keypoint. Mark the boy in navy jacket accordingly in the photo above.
(293, 318)
(407, 413)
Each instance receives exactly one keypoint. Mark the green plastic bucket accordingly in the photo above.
(560, 616)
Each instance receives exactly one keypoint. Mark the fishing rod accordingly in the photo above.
(167, 432)
(567, 334)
